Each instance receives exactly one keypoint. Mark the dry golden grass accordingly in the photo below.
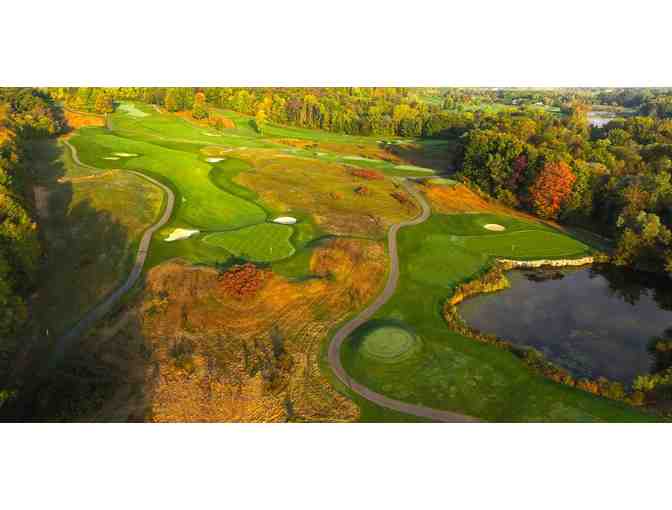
(461, 199)
(211, 354)
(327, 190)
(208, 122)
(77, 120)
(350, 149)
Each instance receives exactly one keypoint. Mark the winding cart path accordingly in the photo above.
(104, 307)
(334, 353)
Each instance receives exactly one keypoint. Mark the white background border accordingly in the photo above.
(383, 43)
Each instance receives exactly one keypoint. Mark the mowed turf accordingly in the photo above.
(474, 224)
(201, 203)
(259, 243)
(454, 372)
(531, 244)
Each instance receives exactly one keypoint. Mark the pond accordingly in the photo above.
(595, 321)
(599, 119)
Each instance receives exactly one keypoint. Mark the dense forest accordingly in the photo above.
(24, 114)
(614, 179)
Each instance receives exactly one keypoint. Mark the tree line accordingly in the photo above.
(615, 179)
(24, 114)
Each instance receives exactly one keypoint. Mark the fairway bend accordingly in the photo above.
(334, 353)
(102, 308)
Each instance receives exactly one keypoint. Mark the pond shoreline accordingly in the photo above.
(494, 280)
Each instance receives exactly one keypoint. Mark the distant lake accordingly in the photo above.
(599, 119)
(593, 322)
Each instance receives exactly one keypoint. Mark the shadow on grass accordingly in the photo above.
(83, 248)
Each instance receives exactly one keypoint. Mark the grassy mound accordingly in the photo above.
(389, 344)
(260, 243)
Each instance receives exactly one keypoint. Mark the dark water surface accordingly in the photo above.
(595, 321)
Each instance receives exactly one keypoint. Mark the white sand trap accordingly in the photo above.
(210, 134)
(214, 160)
(124, 154)
(358, 158)
(112, 158)
(131, 110)
(180, 233)
(285, 220)
(495, 227)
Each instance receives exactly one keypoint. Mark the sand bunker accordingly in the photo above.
(210, 134)
(285, 220)
(494, 227)
(112, 158)
(180, 233)
(124, 154)
(214, 160)
(132, 110)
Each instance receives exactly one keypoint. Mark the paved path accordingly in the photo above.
(104, 307)
(334, 354)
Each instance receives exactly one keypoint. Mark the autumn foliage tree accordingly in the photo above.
(170, 101)
(199, 111)
(103, 103)
(551, 188)
(260, 120)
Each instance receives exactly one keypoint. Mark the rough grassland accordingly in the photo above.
(90, 240)
(187, 350)
(293, 185)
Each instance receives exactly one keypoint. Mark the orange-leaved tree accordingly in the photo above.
(551, 188)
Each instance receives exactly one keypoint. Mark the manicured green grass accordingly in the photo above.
(223, 173)
(531, 244)
(473, 224)
(387, 342)
(439, 261)
(202, 204)
(259, 243)
(454, 372)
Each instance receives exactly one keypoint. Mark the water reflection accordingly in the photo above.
(596, 321)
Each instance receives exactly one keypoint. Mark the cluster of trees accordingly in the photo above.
(24, 114)
(615, 179)
(352, 110)
(87, 99)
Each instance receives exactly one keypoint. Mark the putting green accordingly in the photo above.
(524, 244)
(389, 344)
(260, 243)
